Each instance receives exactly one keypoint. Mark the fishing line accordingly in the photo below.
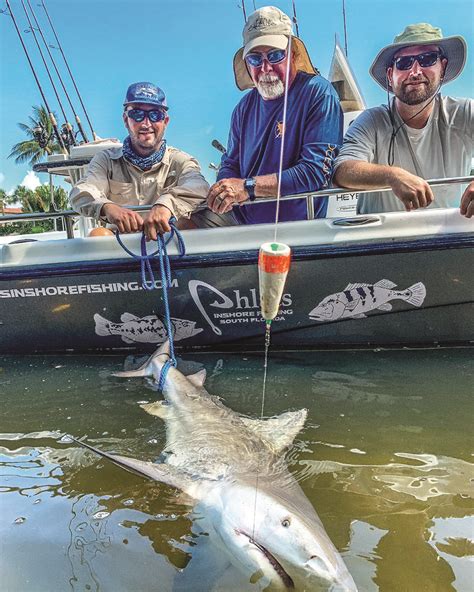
(283, 135)
(51, 57)
(69, 70)
(51, 116)
(271, 270)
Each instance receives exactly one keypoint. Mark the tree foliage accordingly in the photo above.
(35, 148)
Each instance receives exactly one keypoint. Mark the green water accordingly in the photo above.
(385, 458)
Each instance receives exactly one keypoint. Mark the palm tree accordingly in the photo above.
(41, 140)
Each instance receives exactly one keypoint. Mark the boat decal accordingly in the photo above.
(241, 308)
(225, 301)
(150, 329)
(358, 299)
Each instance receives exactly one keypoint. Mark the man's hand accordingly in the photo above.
(467, 201)
(411, 190)
(226, 193)
(157, 222)
(125, 220)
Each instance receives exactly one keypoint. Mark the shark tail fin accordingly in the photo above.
(146, 369)
(418, 294)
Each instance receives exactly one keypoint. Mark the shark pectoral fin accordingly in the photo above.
(158, 472)
(157, 408)
(278, 432)
(198, 378)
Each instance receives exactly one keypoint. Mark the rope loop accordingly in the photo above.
(149, 282)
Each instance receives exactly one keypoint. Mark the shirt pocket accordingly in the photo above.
(122, 193)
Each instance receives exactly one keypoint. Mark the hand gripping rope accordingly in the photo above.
(149, 282)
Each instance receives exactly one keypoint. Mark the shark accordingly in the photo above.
(232, 470)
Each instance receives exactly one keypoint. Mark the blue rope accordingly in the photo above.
(149, 282)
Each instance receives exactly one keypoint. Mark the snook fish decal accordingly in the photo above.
(358, 299)
(150, 329)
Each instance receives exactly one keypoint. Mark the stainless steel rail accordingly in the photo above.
(66, 215)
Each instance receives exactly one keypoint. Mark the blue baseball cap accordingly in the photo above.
(147, 93)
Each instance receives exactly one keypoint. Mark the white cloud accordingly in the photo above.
(31, 181)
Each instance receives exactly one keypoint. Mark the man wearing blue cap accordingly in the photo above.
(143, 171)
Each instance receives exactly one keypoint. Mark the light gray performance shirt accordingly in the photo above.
(443, 148)
(176, 182)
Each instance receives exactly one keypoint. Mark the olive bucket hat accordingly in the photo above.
(269, 26)
(453, 49)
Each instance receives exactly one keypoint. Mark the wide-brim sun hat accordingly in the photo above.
(453, 48)
(272, 27)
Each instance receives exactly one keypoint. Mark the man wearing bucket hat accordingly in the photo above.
(143, 171)
(270, 59)
(419, 134)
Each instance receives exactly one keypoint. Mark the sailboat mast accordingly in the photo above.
(345, 27)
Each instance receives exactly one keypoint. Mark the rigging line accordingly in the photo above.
(345, 28)
(283, 135)
(295, 19)
(242, 6)
(51, 57)
(69, 70)
(32, 29)
(51, 116)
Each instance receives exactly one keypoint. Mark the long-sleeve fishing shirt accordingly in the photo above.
(314, 129)
(176, 182)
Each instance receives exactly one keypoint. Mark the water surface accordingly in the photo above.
(385, 458)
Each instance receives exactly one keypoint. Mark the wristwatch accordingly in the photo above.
(249, 185)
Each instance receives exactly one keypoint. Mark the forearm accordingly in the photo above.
(358, 174)
(266, 185)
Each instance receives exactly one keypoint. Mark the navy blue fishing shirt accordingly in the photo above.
(313, 138)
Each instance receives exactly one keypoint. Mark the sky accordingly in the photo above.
(186, 47)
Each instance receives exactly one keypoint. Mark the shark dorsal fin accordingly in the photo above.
(198, 378)
(278, 432)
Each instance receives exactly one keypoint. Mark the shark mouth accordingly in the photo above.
(277, 566)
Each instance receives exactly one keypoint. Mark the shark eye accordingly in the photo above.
(286, 522)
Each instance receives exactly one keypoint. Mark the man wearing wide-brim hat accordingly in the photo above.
(419, 134)
(271, 60)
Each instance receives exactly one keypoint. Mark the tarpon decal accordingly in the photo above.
(358, 299)
(150, 329)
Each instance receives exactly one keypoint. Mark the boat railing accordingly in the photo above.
(68, 215)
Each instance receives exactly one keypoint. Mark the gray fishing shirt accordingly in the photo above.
(443, 148)
(176, 182)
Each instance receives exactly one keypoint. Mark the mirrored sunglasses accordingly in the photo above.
(139, 115)
(273, 57)
(425, 60)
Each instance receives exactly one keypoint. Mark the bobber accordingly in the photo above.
(100, 231)
(273, 265)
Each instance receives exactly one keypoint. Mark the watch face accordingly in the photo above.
(249, 183)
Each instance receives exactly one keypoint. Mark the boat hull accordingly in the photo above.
(408, 292)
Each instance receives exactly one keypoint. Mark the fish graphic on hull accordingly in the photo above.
(150, 329)
(358, 299)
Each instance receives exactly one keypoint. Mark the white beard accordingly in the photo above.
(270, 86)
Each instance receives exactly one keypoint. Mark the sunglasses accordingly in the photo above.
(139, 115)
(273, 57)
(426, 60)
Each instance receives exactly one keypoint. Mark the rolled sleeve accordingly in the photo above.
(90, 193)
(188, 193)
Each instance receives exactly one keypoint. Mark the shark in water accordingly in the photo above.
(233, 469)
